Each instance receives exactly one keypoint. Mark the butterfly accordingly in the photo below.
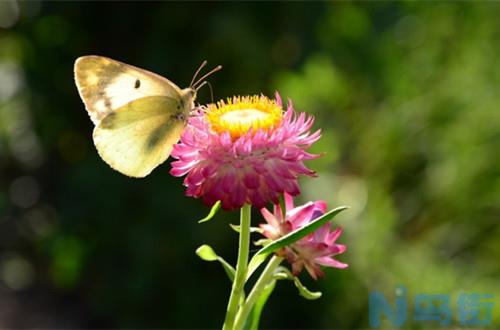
(138, 115)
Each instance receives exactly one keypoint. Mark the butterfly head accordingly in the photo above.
(188, 98)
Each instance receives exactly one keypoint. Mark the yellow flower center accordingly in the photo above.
(240, 115)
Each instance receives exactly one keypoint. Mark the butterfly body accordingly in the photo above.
(138, 115)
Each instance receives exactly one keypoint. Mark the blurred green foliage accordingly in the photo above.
(405, 93)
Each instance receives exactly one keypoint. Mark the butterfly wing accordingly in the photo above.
(140, 135)
(106, 85)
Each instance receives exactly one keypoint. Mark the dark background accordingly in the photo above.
(406, 94)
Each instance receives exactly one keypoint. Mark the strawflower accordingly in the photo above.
(246, 150)
(316, 249)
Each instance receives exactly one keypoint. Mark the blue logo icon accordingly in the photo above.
(435, 309)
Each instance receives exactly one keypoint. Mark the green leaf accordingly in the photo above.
(252, 322)
(302, 232)
(236, 228)
(255, 262)
(213, 210)
(206, 253)
(285, 274)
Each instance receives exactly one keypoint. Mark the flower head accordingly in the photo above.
(316, 249)
(245, 150)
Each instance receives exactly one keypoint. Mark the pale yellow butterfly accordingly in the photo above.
(138, 115)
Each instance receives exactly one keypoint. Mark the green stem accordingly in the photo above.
(265, 278)
(241, 268)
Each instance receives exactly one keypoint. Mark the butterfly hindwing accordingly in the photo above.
(140, 135)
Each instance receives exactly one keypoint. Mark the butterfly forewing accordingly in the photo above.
(105, 85)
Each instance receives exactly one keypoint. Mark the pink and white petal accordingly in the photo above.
(330, 262)
(320, 205)
(292, 187)
(297, 266)
(322, 232)
(332, 237)
(300, 215)
(334, 249)
(278, 212)
(314, 270)
(270, 231)
(288, 201)
(195, 177)
(269, 217)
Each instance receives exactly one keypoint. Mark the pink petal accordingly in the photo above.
(322, 232)
(251, 179)
(329, 262)
(195, 177)
(227, 181)
(278, 212)
(238, 195)
(288, 201)
(278, 98)
(300, 215)
(314, 270)
(269, 217)
(297, 267)
(332, 237)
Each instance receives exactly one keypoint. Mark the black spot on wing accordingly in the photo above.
(157, 136)
(107, 102)
(137, 84)
(109, 121)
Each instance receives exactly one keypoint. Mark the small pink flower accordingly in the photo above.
(247, 150)
(316, 249)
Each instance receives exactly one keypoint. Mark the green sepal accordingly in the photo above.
(205, 252)
(212, 212)
(262, 242)
(236, 228)
(284, 274)
(294, 236)
(252, 322)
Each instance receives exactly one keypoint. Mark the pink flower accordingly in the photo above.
(245, 150)
(316, 249)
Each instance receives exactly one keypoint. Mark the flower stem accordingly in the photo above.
(241, 268)
(265, 278)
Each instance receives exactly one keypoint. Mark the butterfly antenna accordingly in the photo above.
(197, 71)
(211, 91)
(209, 86)
(217, 68)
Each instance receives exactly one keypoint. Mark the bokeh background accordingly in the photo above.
(407, 95)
